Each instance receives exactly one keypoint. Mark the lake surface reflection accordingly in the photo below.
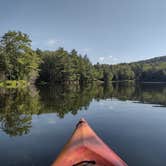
(35, 123)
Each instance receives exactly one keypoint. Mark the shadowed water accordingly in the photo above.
(35, 123)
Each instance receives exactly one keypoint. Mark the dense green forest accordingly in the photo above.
(61, 66)
(18, 61)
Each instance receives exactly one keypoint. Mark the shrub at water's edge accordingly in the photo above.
(14, 84)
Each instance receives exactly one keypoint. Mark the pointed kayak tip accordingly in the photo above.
(81, 121)
(86, 148)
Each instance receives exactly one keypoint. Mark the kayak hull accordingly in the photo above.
(85, 146)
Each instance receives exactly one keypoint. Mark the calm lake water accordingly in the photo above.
(35, 123)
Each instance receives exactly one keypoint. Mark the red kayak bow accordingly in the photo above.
(85, 148)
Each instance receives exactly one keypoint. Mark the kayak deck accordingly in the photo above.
(86, 148)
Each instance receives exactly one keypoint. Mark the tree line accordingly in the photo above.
(18, 61)
(61, 66)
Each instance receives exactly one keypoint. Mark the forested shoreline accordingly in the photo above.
(18, 61)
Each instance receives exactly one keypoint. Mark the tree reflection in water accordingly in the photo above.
(16, 109)
(18, 105)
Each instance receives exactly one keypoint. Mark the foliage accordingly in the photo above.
(13, 84)
(61, 66)
(17, 60)
(153, 70)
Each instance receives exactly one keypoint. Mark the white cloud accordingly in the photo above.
(101, 58)
(54, 42)
(85, 50)
(108, 59)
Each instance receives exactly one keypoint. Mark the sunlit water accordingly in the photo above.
(131, 119)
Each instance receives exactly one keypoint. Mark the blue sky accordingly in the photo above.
(109, 31)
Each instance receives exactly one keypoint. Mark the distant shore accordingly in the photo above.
(156, 82)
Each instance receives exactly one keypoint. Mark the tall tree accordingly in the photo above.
(17, 59)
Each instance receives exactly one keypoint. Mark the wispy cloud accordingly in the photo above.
(101, 59)
(54, 42)
(85, 50)
(108, 59)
